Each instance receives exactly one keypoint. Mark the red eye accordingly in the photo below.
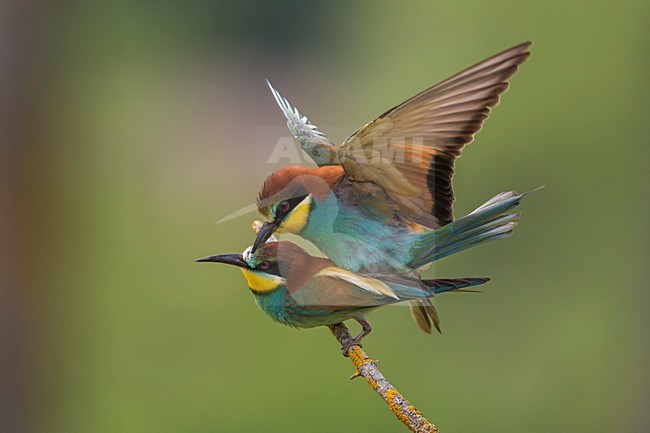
(283, 206)
(264, 265)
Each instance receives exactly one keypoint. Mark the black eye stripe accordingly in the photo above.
(273, 269)
(293, 202)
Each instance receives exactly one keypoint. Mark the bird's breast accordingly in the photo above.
(357, 240)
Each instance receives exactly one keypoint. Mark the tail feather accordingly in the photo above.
(442, 285)
(420, 315)
(476, 237)
(432, 313)
(424, 312)
(490, 221)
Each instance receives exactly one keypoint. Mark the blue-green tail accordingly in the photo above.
(489, 222)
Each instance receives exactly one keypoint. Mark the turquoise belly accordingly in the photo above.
(283, 310)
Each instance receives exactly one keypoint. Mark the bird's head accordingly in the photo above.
(261, 270)
(267, 269)
(287, 198)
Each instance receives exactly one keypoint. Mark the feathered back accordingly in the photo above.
(295, 264)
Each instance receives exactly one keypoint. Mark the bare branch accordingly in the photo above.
(367, 368)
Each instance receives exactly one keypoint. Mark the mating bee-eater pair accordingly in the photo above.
(379, 206)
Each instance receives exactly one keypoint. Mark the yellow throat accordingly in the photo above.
(262, 283)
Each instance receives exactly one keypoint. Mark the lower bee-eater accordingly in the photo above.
(304, 291)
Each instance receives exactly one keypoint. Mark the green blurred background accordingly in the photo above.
(129, 128)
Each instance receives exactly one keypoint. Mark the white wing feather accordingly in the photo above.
(301, 128)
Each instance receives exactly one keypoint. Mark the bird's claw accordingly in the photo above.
(345, 347)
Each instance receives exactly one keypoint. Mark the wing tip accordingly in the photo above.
(521, 47)
(268, 83)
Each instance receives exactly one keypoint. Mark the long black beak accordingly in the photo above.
(230, 259)
(265, 233)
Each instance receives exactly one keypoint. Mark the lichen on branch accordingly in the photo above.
(367, 368)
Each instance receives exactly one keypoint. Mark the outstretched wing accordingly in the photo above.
(336, 288)
(311, 140)
(410, 150)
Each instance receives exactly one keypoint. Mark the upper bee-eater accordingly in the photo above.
(304, 291)
(382, 201)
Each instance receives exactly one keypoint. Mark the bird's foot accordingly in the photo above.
(356, 341)
(348, 344)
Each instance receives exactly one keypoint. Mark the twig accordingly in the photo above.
(366, 367)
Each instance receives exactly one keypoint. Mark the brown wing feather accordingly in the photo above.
(410, 150)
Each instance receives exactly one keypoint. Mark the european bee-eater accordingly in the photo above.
(382, 201)
(304, 291)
